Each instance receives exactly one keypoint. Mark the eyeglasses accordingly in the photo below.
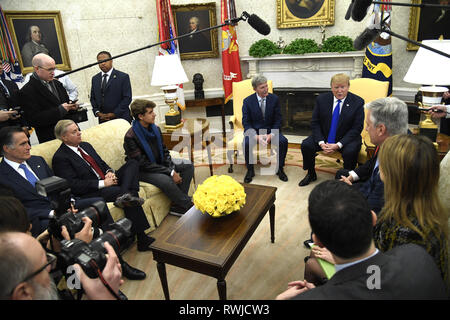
(48, 69)
(51, 261)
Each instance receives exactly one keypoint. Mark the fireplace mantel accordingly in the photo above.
(312, 70)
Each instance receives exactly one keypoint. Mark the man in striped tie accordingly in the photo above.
(336, 125)
(385, 117)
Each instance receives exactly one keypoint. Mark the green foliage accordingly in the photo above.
(338, 44)
(263, 48)
(301, 46)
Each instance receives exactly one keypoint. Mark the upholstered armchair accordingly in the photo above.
(241, 90)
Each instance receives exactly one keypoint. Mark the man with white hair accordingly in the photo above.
(44, 100)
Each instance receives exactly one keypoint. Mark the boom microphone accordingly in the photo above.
(349, 11)
(366, 38)
(258, 24)
(360, 8)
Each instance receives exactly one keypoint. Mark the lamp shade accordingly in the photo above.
(428, 67)
(168, 70)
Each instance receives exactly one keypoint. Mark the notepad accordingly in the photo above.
(327, 267)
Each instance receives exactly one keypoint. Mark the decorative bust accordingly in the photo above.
(198, 84)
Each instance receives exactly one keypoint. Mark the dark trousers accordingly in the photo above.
(349, 153)
(128, 176)
(177, 193)
(282, 149)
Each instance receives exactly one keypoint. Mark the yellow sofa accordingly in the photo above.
(107, 140)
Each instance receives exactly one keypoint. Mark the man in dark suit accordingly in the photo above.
(19, 171)
(261, 118)
(89, 176)
(385, 117)
(336, 124)
(9, 92)
(342, 222)
(110, 91)
(44, 100)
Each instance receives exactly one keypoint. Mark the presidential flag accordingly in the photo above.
(377, 63)
(230, 50)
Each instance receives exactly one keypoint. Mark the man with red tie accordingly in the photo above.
(336, 125)
(88, 176)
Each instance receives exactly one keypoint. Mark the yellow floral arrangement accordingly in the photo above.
(219, 196)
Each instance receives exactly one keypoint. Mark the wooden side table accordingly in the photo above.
(193, 132)
(209, 103)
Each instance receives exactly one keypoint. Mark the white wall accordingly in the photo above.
(120, 26)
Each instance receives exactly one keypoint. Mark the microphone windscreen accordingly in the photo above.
(349, 11)
(258, 24)
(365, 38)
(359, 10)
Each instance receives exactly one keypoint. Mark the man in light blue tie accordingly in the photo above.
(336, 125)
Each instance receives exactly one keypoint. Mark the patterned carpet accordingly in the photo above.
(293, 158)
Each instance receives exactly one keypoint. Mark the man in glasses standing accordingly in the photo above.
(44, 100)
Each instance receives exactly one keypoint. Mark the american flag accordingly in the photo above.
(6, 66)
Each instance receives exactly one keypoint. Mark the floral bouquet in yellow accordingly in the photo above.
(219, 196)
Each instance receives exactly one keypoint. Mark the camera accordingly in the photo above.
(91, 256)
(58, 192)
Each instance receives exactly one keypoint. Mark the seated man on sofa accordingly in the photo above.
(19, 171)
(143, 143)
(89, 176)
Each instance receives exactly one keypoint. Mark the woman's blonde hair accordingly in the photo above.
(410, 167)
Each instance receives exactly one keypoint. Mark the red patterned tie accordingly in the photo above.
(92, 162)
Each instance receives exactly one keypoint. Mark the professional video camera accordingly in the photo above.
(58, 192)
(91, 256)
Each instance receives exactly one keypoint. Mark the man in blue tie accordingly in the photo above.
(336, 125)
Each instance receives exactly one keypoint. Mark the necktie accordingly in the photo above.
(4, 89)
(92, 162)
(334, 123)
(263, 107)
(103, 88)
(30, 176)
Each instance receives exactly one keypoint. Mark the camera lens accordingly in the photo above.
(118, 237)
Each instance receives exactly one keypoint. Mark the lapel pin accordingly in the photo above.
(38, 166)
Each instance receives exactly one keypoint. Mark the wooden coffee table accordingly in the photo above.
(210, 246)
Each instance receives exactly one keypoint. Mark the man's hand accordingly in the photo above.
(110, 180)
(348, 180)
(112, 273)
(438, 114)
(70, 106)
(295, 288)
(6, 115)
(86, 234)
(111, 116)
(177, 178)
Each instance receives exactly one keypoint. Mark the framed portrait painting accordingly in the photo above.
(304, 13)
(35, 32)
(428, 23)
(193, 17)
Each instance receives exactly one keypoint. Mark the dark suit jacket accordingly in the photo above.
(406, 272)
(252, 115)
(11, 102)
(37, 206)
(351, 119)
(68, 165)
(117, 94)
(41, 107)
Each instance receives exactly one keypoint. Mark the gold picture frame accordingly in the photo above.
(201, 45)
(22, 24)
(304, 13)
(427, 23)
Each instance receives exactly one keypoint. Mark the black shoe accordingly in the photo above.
(308, 178)
(249, 175)
(132, 273)
(144, 244)
(128, 200)
(178, 211)
(282, 175)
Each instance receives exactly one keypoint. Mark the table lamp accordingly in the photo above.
(168, 72)
(431, 69)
